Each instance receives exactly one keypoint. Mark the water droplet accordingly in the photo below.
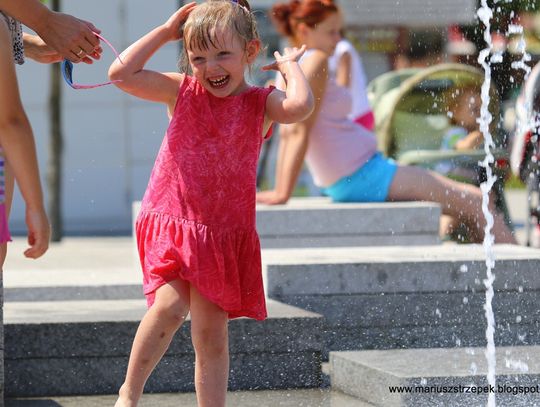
(517, 365)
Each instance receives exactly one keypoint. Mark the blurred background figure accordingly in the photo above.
(423, 48)
(525, 154)
(347, 64)
(460, 50)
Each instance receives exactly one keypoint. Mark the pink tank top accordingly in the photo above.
(337, 145)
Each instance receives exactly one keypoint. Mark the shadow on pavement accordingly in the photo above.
(32, 403)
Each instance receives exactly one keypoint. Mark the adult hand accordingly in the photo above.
(38, 233)
(71, 37)
(271, 197)
(290, 54)
(36, 49)
(176, 22)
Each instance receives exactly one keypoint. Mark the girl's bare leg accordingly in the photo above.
(209, 333)
(153, 337)
(3, 253)
(459, 200)
(9, 185)
(447, 225)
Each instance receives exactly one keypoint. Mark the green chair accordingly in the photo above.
(411, 118)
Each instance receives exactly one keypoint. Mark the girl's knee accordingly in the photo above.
(171, 307)
(210, 341)
(174, 314)
(172, 301)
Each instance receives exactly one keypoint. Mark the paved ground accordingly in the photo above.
(111, 260)
(516, 200)
(285, 398)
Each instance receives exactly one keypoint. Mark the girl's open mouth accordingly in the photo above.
(219, 82)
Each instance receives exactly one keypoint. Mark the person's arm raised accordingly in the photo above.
(295, 138)
(150, 85)
(296, 102)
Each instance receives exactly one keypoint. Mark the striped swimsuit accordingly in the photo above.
(18, 57)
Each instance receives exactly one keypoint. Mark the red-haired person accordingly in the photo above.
(342, 156)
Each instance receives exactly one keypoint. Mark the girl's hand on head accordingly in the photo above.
(290, 54)
(38, 232)
(176, 22)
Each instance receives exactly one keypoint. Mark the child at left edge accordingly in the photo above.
(198, 246)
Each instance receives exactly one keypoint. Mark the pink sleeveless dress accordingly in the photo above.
(197, 219)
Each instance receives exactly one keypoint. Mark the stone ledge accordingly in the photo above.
(82, 347)
(368, 375)
(396, 269)
(317, 222)
(393, 297)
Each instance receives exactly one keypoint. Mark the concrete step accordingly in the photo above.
(317, 222)
(394, 297)
(74, 293)
(82, 347)
(438, 377)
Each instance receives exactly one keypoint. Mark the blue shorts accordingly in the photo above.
(370, 183)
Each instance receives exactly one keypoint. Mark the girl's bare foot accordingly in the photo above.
(125, 399)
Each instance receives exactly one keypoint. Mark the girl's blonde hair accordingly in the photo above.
(207, 20)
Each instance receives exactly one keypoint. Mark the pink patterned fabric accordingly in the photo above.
(197, 220)
(4, 230)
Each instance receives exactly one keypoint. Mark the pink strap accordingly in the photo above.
(110, 46)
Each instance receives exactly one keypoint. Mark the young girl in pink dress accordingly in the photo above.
(196, 234)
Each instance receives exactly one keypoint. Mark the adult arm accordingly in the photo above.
(17, 141)
(294, 138)
(344, 70)
(66, 34)
(36, 49)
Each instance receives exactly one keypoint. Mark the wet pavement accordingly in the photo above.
(277, 398)
(94, 261)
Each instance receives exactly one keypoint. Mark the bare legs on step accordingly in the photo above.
(209, 330)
